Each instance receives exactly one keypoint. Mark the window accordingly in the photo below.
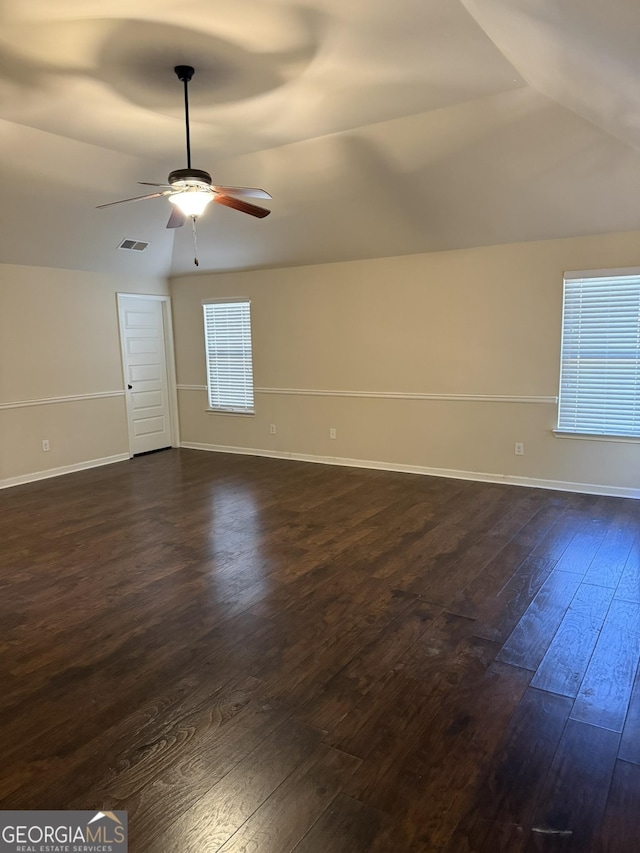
(600, 363)
(227, 336)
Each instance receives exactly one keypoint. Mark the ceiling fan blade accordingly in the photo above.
(135, 198)
(151, 184)
(177, 218)
(246, 192)
(242, 206)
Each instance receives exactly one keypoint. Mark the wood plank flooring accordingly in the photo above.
(250, 654)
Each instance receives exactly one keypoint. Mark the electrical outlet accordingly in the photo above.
(272, 429)
(45, 444)
(333, 432)
(518, 448)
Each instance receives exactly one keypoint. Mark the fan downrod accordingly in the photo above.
(185, 73)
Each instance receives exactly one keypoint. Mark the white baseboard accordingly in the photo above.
(64, 469)
(510, 479)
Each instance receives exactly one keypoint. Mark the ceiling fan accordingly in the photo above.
(191, 190)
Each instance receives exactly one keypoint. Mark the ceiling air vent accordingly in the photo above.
(133, 245)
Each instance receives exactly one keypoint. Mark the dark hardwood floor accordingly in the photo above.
(257, 655)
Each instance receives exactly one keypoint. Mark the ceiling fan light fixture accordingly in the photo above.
(192, 202)
(191, 190)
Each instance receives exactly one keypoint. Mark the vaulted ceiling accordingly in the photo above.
(380, 128)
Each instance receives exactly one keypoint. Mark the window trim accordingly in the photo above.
(596, 436)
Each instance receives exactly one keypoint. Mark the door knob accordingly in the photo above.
(129, 387)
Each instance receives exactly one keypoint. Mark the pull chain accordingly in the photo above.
(195, 243)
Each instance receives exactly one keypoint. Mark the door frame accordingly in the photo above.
(169, 351)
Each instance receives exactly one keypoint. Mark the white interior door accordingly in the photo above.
(144, 361)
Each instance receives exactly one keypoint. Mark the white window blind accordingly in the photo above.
(600, 364)
(227, 334)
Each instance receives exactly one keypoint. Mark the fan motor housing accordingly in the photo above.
(196, 176)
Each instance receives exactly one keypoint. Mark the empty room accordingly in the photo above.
(319, 426)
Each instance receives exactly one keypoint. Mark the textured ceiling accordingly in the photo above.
(380, 128)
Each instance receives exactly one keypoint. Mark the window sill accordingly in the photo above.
(620, 439)
(230, 412)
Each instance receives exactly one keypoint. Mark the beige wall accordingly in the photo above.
(482, 322)
(59, 338)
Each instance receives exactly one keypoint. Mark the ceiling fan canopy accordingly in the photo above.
(191, 190)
